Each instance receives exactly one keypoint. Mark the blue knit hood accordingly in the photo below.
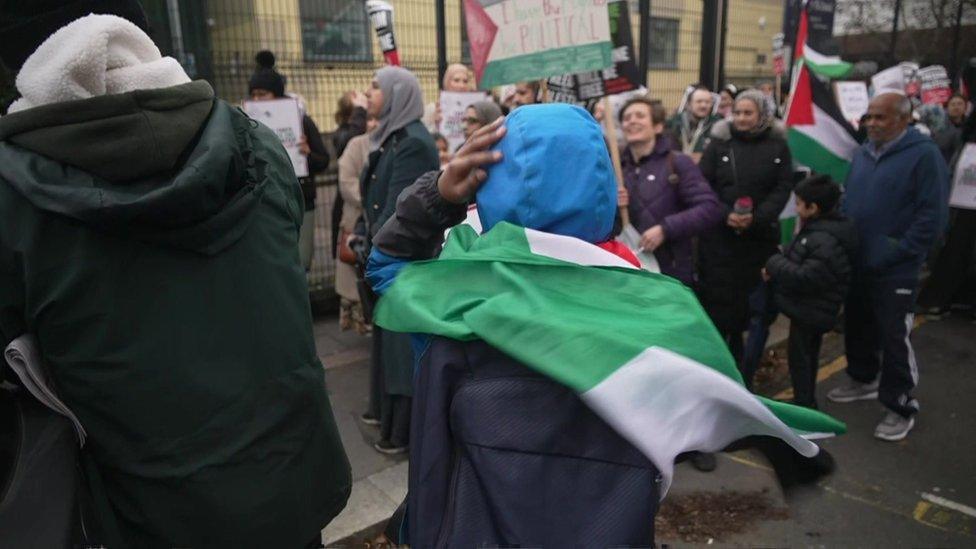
(555, 175)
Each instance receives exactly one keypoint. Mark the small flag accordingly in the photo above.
(830, 66)
(817, 132)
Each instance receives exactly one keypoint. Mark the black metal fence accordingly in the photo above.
(327, 47)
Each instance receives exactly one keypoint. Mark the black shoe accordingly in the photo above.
(704, 462)
(369, 419)
(390, 449)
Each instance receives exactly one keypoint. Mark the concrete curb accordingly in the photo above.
(371, 503)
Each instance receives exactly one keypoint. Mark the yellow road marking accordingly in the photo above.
(919, 514)
(921, 509)
(925, 513)
(948, 515)
(748, 462)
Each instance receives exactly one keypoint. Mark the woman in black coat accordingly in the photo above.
(749, 166)
(401, 150)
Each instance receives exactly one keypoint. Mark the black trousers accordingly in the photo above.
(803, 352)
(878, 322)
(392, 410)
(953, 265)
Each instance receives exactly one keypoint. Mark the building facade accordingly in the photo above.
(325, 47)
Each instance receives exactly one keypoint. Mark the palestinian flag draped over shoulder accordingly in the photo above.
(636, 346)
(818, 135)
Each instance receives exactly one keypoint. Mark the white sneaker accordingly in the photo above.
(894, 427)
(854, 390)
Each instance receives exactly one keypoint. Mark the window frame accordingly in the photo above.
(365, 55)
(671, 64)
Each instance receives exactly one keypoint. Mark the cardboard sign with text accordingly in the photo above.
(585, 87)
(909, 71)
(889, 80)
(519, 40)
(936, 86)
(853, 99)
(964, 182)
(285, 119)
(453, 107)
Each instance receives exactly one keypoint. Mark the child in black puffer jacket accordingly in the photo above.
(811, 277)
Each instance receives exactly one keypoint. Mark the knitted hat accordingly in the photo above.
(26, 25)
(265, 77)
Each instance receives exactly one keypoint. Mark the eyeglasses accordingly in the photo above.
(471, 120)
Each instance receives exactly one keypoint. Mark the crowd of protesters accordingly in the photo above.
(703, 187)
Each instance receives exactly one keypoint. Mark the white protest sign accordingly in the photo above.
(964, 182)
(889, 80)
(936, 86)
(852, 98)
(453, 108)
(285, 119)
(909, 72)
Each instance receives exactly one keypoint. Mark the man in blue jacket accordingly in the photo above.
(896, 196)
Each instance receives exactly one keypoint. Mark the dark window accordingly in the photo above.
(335, 30)
(760, 59)
(664, 43)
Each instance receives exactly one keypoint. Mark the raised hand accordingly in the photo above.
(465, 172)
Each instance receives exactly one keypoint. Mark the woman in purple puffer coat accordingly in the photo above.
(669, 199)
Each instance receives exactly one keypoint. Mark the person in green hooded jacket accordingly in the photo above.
(148, 243)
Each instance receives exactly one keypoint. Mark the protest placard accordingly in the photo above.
(585, 87)
(518, 40)
(285, 119)
(889, 80)
(964, 182)
(853, 99)
(453, 107)
(936, 86)
(909, 72)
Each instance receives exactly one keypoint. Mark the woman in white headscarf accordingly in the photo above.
(749, 166)
(401, 150)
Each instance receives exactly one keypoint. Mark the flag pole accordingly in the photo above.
(610, 128)
(779, 89)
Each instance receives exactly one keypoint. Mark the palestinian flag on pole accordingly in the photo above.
(829, 66)
(637, 347)
(818, 135)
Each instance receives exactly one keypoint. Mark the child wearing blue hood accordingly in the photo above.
(516, 438)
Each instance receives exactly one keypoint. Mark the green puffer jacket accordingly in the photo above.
(149, 241)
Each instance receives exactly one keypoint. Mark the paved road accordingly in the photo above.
(920, 492)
